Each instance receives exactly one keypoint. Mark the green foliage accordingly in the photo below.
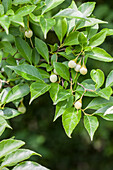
(33, 65)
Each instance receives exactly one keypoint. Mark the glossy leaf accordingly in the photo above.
(91, 124)
(8, 113)
(7, 4)
(91, 31)
(1, 9)
(25, 10)
(109, 80)
(82, 39)
(5, 23)
(17, 19)
(3, 125)
(70, 119)
(17, 2)
(105, 93)
(72, 39)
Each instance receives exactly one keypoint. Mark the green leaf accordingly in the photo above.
(70, 119)
(7, 5)
(70, 13)
(5, 23)
(55, 87)
(28, 165)
(62, 24)
(91, 124)
(82, 39)
(97, 39)
(98, 77)
(37, 89)
(109, 80)
(17, 19)
(71, 39)
(7, 47)
(99, 102)
(24, 49)
(62, 95)
(17, 92)
(105, 93)
(91, 31)
(1, 9)
(62, 70)
(43, 73)
(9, 145)
(50, 5)
(17, 2)
(109, 111)
(4, 94)
(35, 57)
(99, 54)
(3, 125)
(28, 72)
(46, 25)
(87, 8)
(68, 57)
(17, 156)
(42, 49)
(8, 113)
(25, 10)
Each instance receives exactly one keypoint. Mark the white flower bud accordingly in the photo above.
(53, 78)
(71, 64)
(83, 70)
(77, 68)
(78, 104)
(29, 33)
(54, 71)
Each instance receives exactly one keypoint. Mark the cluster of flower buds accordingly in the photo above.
(77, 66)
(53, 76)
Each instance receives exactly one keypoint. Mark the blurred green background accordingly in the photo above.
(41, 134)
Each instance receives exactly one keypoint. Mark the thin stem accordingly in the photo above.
(31, 43)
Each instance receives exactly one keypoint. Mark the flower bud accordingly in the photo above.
(78, 104)
(78, 66)
(71, 64)
(83, 70)
(54, 71)
(29, 33)
(53, 78)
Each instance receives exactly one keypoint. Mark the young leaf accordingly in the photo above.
(17, 19)
(62, 24)
(5, 23)
(25, 10)
(17, 156)
(98, 77)
(109, 111)
(24, 49)
(91, 31)
(62, 70)
(105, 93)
(37, 89)
(7, 5)
(1, 9)
(91, 124)
(9, 145)
(82, 39)
(71, 39)
(109, 80)
(70, 119)
(99, 54)
(8, 113)
(17, 2)
(27, 71)
(3, 125)
(42, 49)
(46, 25)
(87, 8)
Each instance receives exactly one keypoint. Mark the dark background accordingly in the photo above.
(41, 134)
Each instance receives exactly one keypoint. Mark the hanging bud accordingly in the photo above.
(53, 78)
(71, 64)
(83, 70)
(22, 108)
(78, 66)
(29, 33)
(78, 104)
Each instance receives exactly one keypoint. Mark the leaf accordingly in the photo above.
(5, 23)
(91, 124)
(97, 39)
(46, 25)
(99, 102)
(35, 57)
(3, 125)
(9, 145)
(109, 80)
(4, 94)
(1, 9)
(82, 39)
(87, 8)
(28, 72)
(17, 2)
(7, 47)
(99, 54)
(43, 73)
(91, 31)
(68, 57)
(7, 5)
(17, 19)
(37, 89)
(71, 39)
(98, 77)
(105, 93)
(62, 70)
(70, 13)
(28, 165)
(42, 49)
(109, 111)
(50, 5)
(62, 24)
(25, 10)
(17, 92)
(8, 113)
(17, 156)
(24, 49)
(70, 119)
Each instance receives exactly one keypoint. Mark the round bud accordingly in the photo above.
(54, 71)
(29, 33)
(77, 68)
(78, 104)
(53, 78)
(83, 70)
(72, 64)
